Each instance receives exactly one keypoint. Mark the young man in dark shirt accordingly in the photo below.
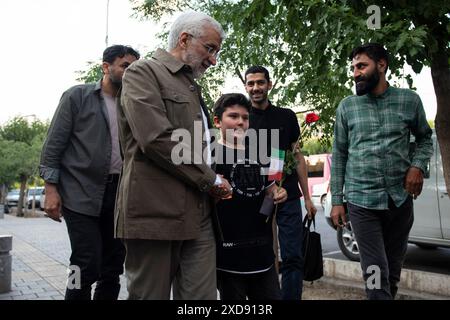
(245, 258)
(80, 164)
(264, 115)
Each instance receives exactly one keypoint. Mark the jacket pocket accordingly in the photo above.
(177, 108)
(155, 193)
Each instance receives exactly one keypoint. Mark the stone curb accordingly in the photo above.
(411, 280)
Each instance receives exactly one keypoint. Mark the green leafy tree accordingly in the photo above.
(315, 146)
(23, 142)
(8, 166)
(93, 72)
(305, 44)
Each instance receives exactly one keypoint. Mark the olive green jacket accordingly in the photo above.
(159, 198)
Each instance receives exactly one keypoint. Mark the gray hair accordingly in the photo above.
(193, 23)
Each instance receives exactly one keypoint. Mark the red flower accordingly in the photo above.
(311, 117)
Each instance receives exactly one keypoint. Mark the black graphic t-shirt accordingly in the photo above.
(247, 245)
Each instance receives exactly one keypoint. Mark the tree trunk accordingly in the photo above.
(440, 73)
(4, 192)
(23, 184)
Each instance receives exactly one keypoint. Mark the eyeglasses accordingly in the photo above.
(211, 50)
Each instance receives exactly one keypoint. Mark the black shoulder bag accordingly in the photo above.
(312, 251)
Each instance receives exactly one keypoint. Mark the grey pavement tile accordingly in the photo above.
(61, 285)
(52, 272)
(20, 284)
(29, 277)
(13, 293)
(49, 293)
(43, 298)
(25, 297)
(5, 296)
(31, 291)
(59, 269)
(34, 285)
(48, 287)
(56, 278)
(41, 252)
(19, 267)
(46, 262)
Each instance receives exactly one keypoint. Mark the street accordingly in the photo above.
(431, 260)
(41, 252)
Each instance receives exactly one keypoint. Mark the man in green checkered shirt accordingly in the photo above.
(373, 160)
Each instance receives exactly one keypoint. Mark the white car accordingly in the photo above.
(431, 226)
(37, 194)
(12, 199)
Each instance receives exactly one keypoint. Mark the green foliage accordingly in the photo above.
(20, 130)
(305, 43)
(93, 73)
(20, 148)
(157, 9)
(316, 146)
(8, 164)
(290, 164)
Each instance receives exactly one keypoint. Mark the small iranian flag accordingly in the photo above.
(276, 165)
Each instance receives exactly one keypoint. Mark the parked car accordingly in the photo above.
(319, 171)
(41, 203)
(37, 194)
(12, 199)
(431, 226)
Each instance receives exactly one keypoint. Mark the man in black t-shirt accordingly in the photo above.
(264, 115)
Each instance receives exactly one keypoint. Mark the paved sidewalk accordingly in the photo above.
(40, 256)
(41, 252)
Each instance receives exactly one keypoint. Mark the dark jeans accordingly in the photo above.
(254, 286)
(290, 236)
(98, 255)
(382, 237)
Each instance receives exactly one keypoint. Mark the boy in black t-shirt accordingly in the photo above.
(245, 258)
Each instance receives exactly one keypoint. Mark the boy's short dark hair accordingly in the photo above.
(230, 99)
(118, 51)
(257, 69)
(374, 51)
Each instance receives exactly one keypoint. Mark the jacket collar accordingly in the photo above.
(169, 61)
(98, 85)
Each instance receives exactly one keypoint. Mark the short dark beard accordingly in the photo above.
(263, 98)
(117, 83)
(365, 84)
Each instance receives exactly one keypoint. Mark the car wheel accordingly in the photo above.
(347, 242)
(5, 209)
(323, 200)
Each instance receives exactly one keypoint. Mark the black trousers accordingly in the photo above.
(382, 237)
(95, 253)
(254, 286)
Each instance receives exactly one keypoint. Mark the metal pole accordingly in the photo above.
(107, 22)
